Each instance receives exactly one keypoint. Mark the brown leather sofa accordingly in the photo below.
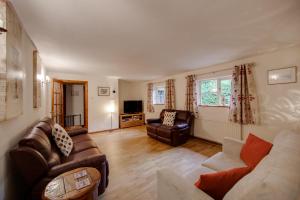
(38, 160)
(172, 135)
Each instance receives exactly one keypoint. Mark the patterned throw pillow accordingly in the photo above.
(169, 118)
(62, 139)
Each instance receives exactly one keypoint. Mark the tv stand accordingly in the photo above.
(130, 120)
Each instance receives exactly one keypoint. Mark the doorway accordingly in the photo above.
(70, 103)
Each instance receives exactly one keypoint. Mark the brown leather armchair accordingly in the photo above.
(173, 135)
(39, 160)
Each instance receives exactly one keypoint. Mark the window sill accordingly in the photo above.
(213, 106)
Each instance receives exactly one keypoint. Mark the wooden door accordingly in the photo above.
(58, 102)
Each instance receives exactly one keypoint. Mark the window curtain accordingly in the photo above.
(243, 105)
(150, 107)
(191, 95)
(170, 94)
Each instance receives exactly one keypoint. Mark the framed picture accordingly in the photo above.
(37, 80)
(103, 91)
(283, 75)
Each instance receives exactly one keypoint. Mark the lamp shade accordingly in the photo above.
(111, 107)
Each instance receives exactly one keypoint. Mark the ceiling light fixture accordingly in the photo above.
(2, 29)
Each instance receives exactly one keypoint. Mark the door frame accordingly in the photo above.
(85, 84)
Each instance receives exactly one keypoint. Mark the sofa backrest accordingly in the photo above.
(37, 140)
(276, 176)
(181, 115)
(36, 152)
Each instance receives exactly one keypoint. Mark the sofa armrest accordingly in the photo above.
(232, 147)
(77, 131)
(90, 161)
(172, 186)
(149, 121)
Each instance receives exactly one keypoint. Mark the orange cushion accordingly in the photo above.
(218, 184)
(254, 150)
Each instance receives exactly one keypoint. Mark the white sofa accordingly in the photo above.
(277, 176)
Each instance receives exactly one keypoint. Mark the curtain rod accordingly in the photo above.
(221, 70)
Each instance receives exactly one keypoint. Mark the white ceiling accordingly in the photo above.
(146, 39)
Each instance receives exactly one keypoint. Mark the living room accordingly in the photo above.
(171, 93)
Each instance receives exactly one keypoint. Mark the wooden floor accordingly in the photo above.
(134, 159)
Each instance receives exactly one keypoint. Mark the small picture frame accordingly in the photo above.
(282, 75)
(103, 91)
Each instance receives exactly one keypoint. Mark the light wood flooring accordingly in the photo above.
(134, 159)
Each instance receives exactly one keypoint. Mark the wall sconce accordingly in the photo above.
(2, 29)
(45, 81)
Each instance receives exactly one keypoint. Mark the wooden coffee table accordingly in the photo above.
(63, 187)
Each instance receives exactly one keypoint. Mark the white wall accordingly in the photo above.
(75, 104)
(129, 91)
(12, 130)
(279, 105)
(99, 118)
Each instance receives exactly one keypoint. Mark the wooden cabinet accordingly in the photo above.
(130, 120)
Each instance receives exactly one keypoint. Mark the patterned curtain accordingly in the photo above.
(191, 95)
(150, 107)
(243, 105)
(170, 94)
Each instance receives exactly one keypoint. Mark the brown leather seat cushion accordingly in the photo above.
(82, 155)
(81, 138)
(153, 127)
(54, 159)
(164, 131)
(80, 146)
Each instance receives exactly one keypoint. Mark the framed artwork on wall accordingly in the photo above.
(11, 70)
(103, 91)
(37, 80)
(282, 75)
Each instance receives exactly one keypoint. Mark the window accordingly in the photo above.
(214, 92)
(159, 95)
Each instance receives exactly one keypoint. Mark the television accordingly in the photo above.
(133, 107)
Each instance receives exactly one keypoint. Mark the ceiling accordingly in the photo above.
(147, 39)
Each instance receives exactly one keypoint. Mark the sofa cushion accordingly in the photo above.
(81, 138)
(169, 118)
(254, 150)
(217, 184)
(152, 127)
(54, 159)
(222, 161)
(62, 139)
(44, 126)
(276, 176)
(164, 131)
(39, 141)
(82, 155)
(80, 146)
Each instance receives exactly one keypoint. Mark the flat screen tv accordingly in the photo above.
(133, 107)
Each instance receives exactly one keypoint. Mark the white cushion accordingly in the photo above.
(169, 118)
(276, 176)
(62, 139)
(222, 161)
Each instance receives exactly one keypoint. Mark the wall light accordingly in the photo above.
(2, 29)
(45, 81)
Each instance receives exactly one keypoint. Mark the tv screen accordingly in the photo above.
(133, 106)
